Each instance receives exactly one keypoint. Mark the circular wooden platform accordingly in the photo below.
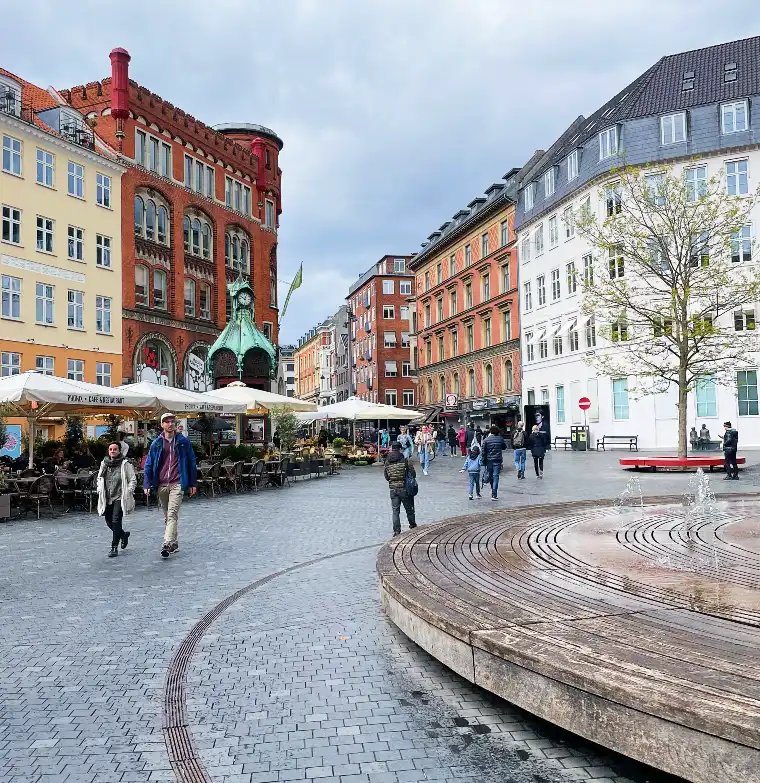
(637, 628)
(677, 463)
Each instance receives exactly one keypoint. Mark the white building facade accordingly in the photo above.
(698, 112)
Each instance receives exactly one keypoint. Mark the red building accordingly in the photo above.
(379, 302)
(201, 208)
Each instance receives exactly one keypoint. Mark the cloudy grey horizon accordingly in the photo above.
(394, 114)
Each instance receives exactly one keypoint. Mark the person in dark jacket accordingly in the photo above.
(493, 458)
(452, 437)
(537, 443)
(730, 445)
(397, 466)
(469, 436)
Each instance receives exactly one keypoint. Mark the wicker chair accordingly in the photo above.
(65, 486)
(258, 474)
(39, 492)
(88, 490)
(284, 478)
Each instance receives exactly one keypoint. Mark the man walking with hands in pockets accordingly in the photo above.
(170, 470)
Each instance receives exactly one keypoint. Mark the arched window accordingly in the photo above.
(163, 223)
(471, 383)
(196, 237)
(235, 253)
(206, 231)
(237, 250)
(139, 215)
(442, 388)
(227, 246)
(430, 389)
(142, 284)
(489, 379)
(186, 232)
(150, 220)
(456, 383)
(159, 289)
(244, 256)
(509, 380)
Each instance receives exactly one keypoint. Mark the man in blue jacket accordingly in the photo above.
(170, 470)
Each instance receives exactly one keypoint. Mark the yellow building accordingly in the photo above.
(60, 246)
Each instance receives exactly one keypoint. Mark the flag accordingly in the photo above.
(297, 280)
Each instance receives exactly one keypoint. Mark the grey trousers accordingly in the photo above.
(399, 496)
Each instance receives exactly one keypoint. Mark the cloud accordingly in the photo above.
(394, 114)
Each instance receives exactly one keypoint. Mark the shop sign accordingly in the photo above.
(451, 400)
(479, 405)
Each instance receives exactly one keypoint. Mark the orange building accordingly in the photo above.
(467, 313)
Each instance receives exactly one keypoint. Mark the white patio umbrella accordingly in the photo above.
(184, 401)
(355, 409)
(33, 395)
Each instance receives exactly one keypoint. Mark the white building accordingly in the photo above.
(692, 111)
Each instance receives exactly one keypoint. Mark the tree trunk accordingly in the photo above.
(682, 403)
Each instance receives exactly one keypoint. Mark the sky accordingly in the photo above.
(394, 113)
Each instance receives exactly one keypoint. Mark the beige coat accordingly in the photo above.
(128, 484)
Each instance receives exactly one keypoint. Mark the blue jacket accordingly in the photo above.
(473, 465)
(185, 462)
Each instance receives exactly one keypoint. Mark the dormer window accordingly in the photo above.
(729, 72)
(734, 117)
(549, 183)
(10, 97)
(608, 143)
(529, 196)
(572, 165)
(688, 81)
(673, 128)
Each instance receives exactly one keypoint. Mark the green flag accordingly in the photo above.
(297, 280)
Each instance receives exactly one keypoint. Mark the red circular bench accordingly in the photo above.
(676, 462)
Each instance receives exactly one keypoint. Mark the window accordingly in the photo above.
(404, 339)
(75, 370)
(103, 314)
(103, 373)
(427, 316)
(707, 404)
(406, 368)
(391, 370)
(238, 197)
(12, 225)
(471, 382)
(76, 180)
(484, 246)
(541, 289)
(454, 342)
(525, 249)
(441, 349)
(553, 231)
(467, 295)
(45, 365)
(569, 221)
(166, 160)
(746, 383)
(572, 165)
(403, 312)
(438, 274)
(506, 279)
(399, 265)
(210, 182)
(509, 377)
(389, 339)
(246, 200)
(140, 144)
(548, 183)
(608, 143)
(504, 240)
(456, 383)
(452, 266)
(103, 190)
(439, 309)
(557, 343)
(44, 234)
(44, 309)
(662, 326)
(620, 399)
(572, 281)
(538, 239)
(506, 325)
(560, 397)
(588, 270)
(673, 128)
(734, 117)
(405, 287)
(613, 197)
(741, 244)
(204, 301)
(12, 155)
(530, 194)
(11, 297)
(199, 177)
(228, 191)
(744, 320)
(555, 285)
(736, 177)
(408, 398)
(45, 168)
(390, 397)
(388, 287)
(590, 333)
(486, 287)
(389, 312)
(543, 346)
(572, 337)
(467, 255)
(141, 284)
(696, 182)
(527, 297)
(189, 298)
(10, 364)
(656, 189)
(529, 355)
(159, 288)
(489, 379)
(486, 332)
(76, 310)
(269, 214)
(76, 243)
(619, 330)
(616, 262)
(103, 251)
(469, 334)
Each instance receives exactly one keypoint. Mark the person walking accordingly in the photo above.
(422, 441)
(730, 445)
(452, 438)
(538, 450)
(397, 467)
(170, 470)
(116, 495)
(462, 439)
(469, 436)
(493, 458)
(404, 439)
(440, 435)
(518, 444)
(472, 466)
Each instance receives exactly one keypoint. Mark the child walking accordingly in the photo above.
(472, 466)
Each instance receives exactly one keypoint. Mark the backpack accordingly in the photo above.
(519, 439)
(410, 483)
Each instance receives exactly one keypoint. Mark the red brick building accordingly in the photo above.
(379, 301)
(201, 207)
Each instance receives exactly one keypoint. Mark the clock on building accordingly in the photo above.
(244, 298)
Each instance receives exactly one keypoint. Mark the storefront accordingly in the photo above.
(504, 412)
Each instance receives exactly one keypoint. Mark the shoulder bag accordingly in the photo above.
(410, 483)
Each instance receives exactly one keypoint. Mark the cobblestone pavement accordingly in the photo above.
(302, 678)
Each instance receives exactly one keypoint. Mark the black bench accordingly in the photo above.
(632, 441)
(565, 439)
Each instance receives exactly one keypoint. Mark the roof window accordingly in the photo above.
(688, 81)
(729, 72)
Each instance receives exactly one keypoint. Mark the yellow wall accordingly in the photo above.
(33, 266)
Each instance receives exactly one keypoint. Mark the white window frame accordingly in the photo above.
(228, 184)
(389, 342)
(10, 363)
(569, 221)
(189, 304)
(389, 312)
(44, 311)
(45, 364)
(389, 287)
(695, 181)
(737, 177)
(742, 242)
(572, 165)
(11, 297)
(541, 290)
(75, 369)
(103, 314)
(530, 196)
(553, 232)
(210, 184)
(391, 397)
(11, 224)
(75, 244)
(269, 214)
(571, 277)
(608, 143)
(527, 297)
(13, 156)
(204, 312)
(549, 182)
(163, 289)
(45, 235)
(614, 400)
(45, 168)
(141, 143)
(556, 284)
(103, 251)
(538, 239)
(407, 398)
(729, 109)
(103, 373)
(405, 287)
(559, 396)
(75, 310)
(103, 185)
(673, 129)
(75, 179)
(530, 355)
(166, 160)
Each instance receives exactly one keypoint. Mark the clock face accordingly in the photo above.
(244, 298)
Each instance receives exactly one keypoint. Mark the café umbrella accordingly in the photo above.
(33, 395)
(184, 401)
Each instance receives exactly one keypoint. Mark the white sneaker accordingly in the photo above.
(424, 473)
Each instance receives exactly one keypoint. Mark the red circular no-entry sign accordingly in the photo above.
(584, 403)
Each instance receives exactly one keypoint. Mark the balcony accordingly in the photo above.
(77, 133)
(10, 103)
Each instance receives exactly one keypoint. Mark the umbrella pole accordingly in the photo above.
(238, 427)
(31, 442)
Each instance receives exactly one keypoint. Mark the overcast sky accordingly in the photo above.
(394, 113)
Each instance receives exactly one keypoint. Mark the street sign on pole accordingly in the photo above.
(584, 403)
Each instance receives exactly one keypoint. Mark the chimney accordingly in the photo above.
(120, 90)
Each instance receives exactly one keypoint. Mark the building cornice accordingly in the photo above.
(166, 320)
(510, 346)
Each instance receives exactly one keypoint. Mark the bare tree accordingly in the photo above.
(671, 274)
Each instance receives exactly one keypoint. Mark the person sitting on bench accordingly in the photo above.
(704, 438)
